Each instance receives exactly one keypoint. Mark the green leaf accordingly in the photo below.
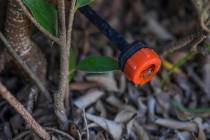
(98, 64)
(72, 64)
(208, 46)
(81, 3)
(44, 13)
(181, 108)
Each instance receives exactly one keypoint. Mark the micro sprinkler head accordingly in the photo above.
(138, 62)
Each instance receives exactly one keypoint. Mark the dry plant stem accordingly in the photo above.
(21, 135)
(54, 130)
(48, 129)
(63, 75)
(86, 124)
(23, 112)
(25, 67)
(173, 124)
(70, 25)
(69, 35)
(203, 23)
(202, 8)
(62, 20)
(32, 97)
(174, 46)
(65, 38)
(196, 42)
(43, 30)
(198, 5)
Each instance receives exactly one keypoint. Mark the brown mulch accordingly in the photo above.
(173, 106)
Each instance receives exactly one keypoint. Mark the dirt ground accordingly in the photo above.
(173, 106)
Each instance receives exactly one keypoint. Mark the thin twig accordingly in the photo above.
(63, 78)
(65, 38)
(23, 112)
(173, 124)
(32, 97)
(54, 130)
(174, 46)
(69, 36)
(70, 25)
(48, 129)
(86, 124)
(22, 135)
(62, 21)
(198, 5)
(202, 8)
(43, 30)
(25, 67)
(204, 25)
(79, 135)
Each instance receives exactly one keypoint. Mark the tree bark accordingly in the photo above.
(18, 33)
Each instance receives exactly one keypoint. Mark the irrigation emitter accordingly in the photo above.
(138, 62)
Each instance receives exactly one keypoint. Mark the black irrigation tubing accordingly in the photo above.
(115, 37)
(127, 50)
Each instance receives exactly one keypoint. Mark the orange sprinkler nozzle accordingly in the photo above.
(137, 61)
(142, 66)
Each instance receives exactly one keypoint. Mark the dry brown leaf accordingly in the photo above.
(184, 135)
(101, 108)
(88, 99)
(115, 129)
(134, 126)
(125, 115)
(157, 28)
(201, 134)
(141, 133)
(106, 81)
(173, 124)
(114, 101)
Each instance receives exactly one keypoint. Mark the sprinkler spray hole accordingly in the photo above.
(148, 73)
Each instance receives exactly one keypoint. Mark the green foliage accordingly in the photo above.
(98, 64)
(92, 64)
(81, 3)
(72, 64)
(44, 13)
(180, 107)
(47, 16)
(207, 46)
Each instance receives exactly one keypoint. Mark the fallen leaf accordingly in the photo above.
(115, 129)
(88, 99)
